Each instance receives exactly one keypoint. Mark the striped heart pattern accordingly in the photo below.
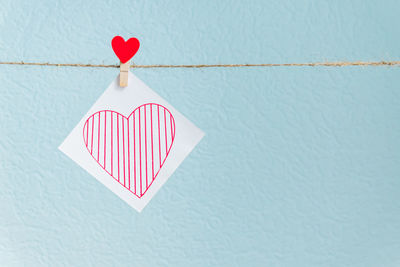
(131, 149)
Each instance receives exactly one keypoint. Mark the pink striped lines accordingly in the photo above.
(131, 149)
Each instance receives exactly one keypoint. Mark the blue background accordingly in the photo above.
(299, 165)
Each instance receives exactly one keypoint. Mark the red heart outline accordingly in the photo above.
(125, 50)
(143, 164)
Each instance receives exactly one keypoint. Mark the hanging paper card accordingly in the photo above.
(131, 140)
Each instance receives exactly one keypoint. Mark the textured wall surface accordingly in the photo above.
(299, 166)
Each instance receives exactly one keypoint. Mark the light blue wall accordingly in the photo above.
(300, 166)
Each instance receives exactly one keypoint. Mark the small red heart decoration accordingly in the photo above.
(125, 50)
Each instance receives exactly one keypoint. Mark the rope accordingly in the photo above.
(310, 64)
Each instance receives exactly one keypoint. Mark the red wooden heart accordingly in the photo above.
(131, 149)
(125, 50)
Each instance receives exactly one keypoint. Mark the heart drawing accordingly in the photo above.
(131, 149)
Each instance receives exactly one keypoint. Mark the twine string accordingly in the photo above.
(309, 64)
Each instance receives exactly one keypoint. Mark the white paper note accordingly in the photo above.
(131, 140)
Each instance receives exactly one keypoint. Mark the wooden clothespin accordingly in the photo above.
(123, 74)
(124, 51)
